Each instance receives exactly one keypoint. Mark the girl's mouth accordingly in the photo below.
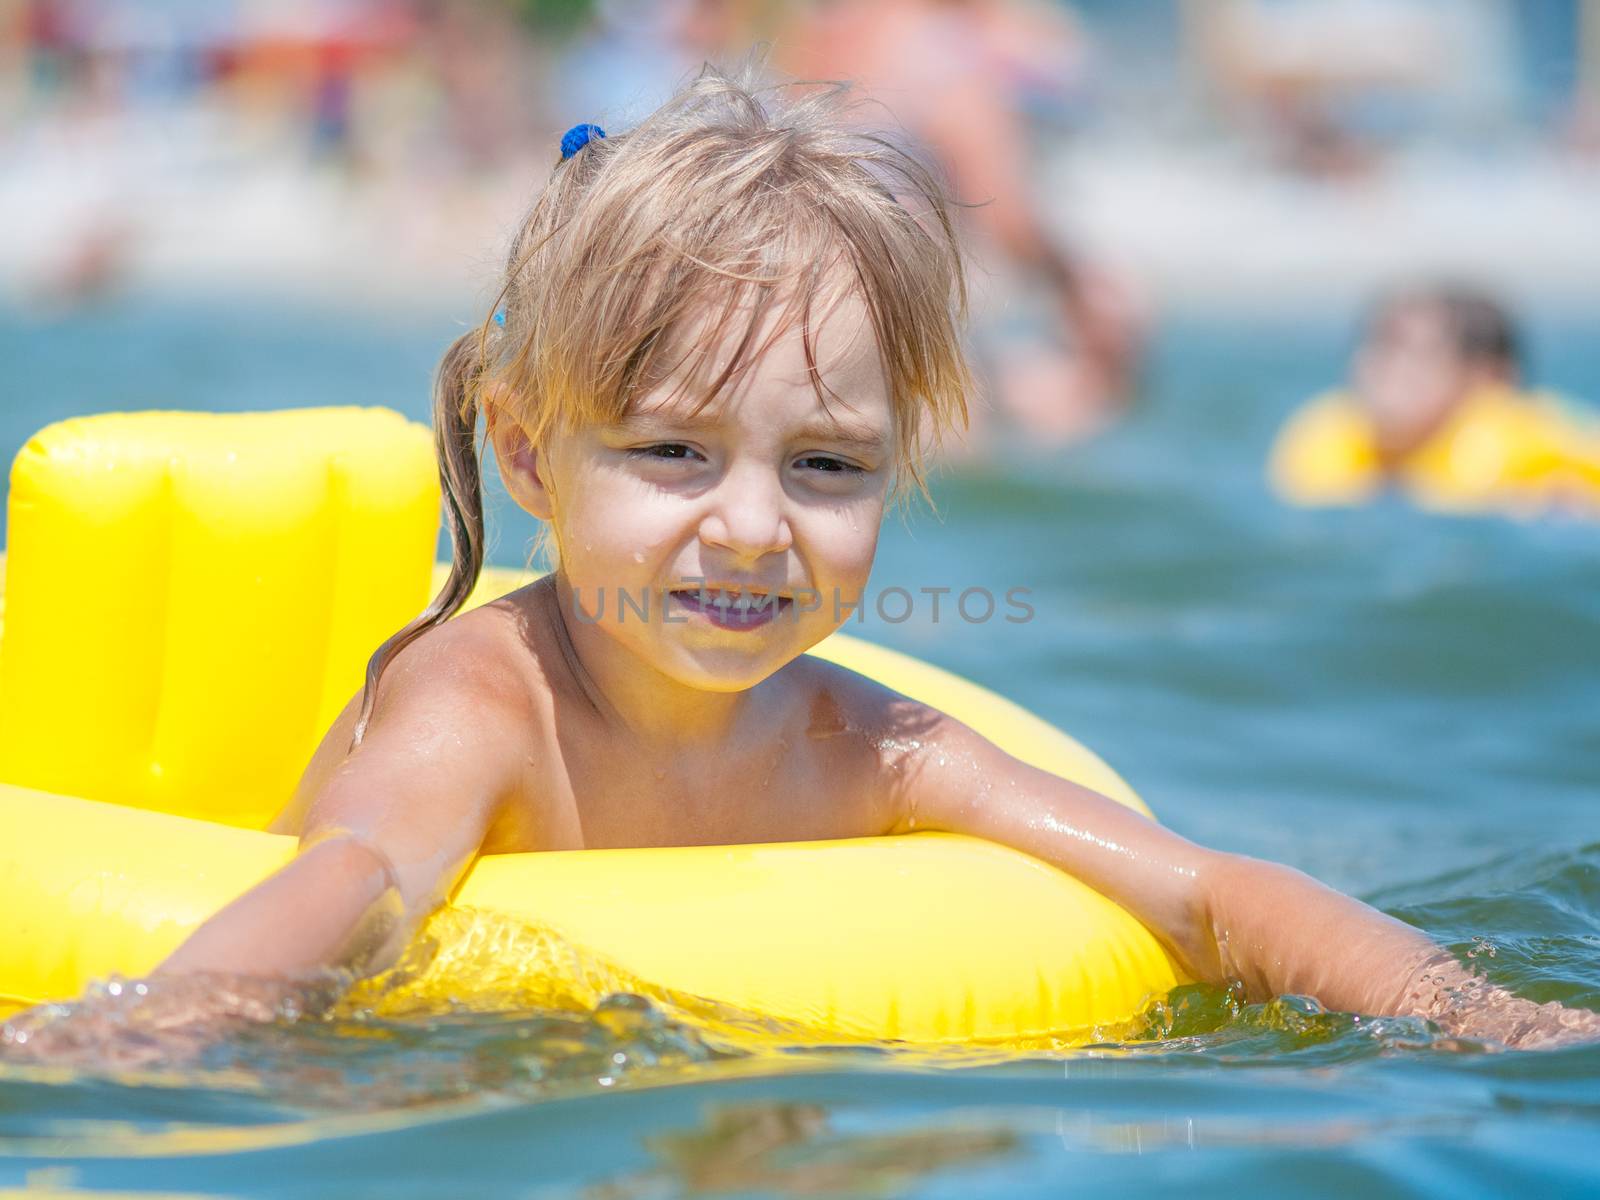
(729, 610)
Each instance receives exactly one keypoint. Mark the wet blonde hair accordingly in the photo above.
(731, 198)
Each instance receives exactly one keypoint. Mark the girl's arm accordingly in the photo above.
(388, 830)
(1222, 916)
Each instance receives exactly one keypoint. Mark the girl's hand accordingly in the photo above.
(1523, 1025)
(167, 1021)
(1468, 1006)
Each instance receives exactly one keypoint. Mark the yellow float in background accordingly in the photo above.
(177, 645)
(1502, 451)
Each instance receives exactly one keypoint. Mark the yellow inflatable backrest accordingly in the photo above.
(191, 597)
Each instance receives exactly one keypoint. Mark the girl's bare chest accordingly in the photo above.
(784, 792)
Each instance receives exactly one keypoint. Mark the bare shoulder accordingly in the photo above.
(863, 704)
(475, 666)
(878, 734)
(473, 680)
(483, 658)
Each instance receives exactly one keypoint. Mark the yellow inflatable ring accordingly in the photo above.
(926, 938)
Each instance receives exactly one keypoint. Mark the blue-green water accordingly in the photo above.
(1407, 707)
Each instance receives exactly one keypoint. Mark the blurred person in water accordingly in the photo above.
(956, 74)
(1437, 407)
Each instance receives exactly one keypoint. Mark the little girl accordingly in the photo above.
(722, 342)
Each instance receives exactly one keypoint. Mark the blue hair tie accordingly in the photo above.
(577, 138)
(499, 316)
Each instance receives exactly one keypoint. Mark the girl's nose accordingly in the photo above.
(746, 514)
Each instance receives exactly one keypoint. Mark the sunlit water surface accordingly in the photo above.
(1407, 707)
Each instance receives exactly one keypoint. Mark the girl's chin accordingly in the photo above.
(725, 668)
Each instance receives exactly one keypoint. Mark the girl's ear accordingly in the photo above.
(519, 462)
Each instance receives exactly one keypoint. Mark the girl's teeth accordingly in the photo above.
(729, 603)
(736, 603)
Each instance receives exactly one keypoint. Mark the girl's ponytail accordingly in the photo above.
(455, 418)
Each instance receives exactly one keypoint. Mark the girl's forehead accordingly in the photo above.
(786, 355)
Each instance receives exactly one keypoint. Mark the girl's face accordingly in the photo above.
(718, 546)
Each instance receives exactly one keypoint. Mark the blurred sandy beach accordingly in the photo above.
(356, 153)
(1194, 223)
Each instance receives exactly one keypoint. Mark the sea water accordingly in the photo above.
(1408, 707)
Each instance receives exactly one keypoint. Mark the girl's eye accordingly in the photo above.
(821, 462)
(664, 452)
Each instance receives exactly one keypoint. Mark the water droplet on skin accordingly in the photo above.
(638, 556)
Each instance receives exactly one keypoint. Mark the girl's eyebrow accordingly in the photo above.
(850, 433)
